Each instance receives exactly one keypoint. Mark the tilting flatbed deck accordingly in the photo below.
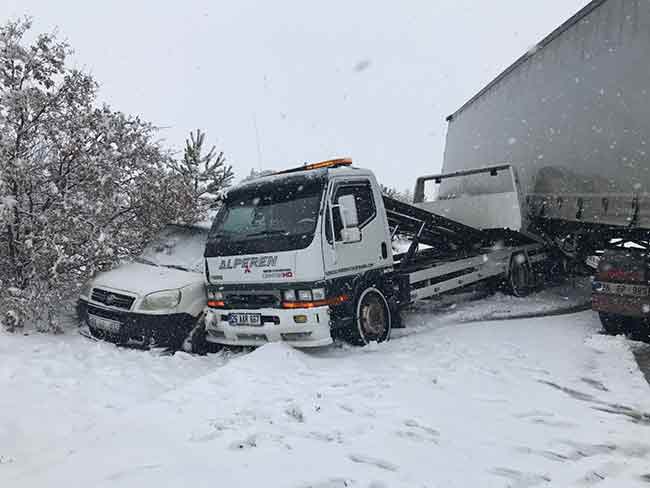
(457, 255)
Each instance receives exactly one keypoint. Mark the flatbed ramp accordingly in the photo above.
(458, 255)
(431, 229)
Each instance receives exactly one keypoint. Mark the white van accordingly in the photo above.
(157, 299)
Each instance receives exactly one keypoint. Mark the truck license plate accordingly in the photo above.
(625, 290)
(104, 324)
(251, 319)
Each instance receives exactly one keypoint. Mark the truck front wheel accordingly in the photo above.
(372, 321)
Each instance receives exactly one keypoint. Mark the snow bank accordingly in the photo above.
(536, 402)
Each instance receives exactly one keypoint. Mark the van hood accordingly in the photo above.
(142, 279)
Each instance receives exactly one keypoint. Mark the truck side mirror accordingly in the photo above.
(347, 206)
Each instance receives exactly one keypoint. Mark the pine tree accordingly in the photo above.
(392, 192)
(206, 174)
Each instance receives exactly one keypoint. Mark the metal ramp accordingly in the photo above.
(428, 228)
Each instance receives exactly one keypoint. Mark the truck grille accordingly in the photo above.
(252, 301)
(112, 299)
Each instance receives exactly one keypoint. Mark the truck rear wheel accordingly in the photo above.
(372, 321)
(520, 276)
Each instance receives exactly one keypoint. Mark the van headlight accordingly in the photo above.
(161, 300)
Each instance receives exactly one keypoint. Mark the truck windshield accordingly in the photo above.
(267, 217)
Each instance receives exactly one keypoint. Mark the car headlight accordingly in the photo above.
(161, 300)
(86, 289)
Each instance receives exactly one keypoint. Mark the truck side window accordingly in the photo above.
(365, 207)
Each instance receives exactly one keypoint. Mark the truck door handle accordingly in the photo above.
(384, 250)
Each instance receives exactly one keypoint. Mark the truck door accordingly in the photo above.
(372, 250)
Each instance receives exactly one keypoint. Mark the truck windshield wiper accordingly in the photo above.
(176, 266)
(267, 233)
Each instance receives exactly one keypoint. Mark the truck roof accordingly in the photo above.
(321, 173)
(585, 11)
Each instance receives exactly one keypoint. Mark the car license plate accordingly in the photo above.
(251, 319)
(625, 290)
(104, 324)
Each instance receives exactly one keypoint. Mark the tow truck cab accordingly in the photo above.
(289, 256)
(621, 291)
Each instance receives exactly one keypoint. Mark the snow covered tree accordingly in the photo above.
(81, 186)
(256, 173)
(205, 174)
(404, 196)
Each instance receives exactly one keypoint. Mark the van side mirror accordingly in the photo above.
(347, 206)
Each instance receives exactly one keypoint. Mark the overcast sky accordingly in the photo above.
(277, 83)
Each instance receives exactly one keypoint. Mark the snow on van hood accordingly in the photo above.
(143, 278)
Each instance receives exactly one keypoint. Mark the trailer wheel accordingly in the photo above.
(520, 276)
(373, 320)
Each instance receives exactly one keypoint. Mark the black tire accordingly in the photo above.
(372, 318)
(106, 336)
(196, 342)
(520, 276)
(96, 333)
(613, 324)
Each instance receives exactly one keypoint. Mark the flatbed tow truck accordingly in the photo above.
(305, 255)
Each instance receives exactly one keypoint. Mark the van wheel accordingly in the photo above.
(195, 342)
(520, 276)
(372, 320)
(96, 333)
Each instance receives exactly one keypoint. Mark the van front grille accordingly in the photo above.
(112, 299)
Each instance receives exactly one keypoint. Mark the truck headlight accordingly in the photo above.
(214, 294)
(304, 295)
(289, 296)
(161, 300)
(318, 293)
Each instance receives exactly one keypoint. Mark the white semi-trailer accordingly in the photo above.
(306, 254)
(572, 117)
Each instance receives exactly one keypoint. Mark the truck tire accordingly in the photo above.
(612, 324)
(372, 319)
(520, 276)
(196, 343)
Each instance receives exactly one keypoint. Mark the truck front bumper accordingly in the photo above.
(277, 325)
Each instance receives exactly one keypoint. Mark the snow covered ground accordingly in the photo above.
(447, 403)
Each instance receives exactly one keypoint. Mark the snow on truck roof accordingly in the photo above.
(308, 171)
(584, 12)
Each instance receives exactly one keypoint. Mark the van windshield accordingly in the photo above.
(267, 217)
